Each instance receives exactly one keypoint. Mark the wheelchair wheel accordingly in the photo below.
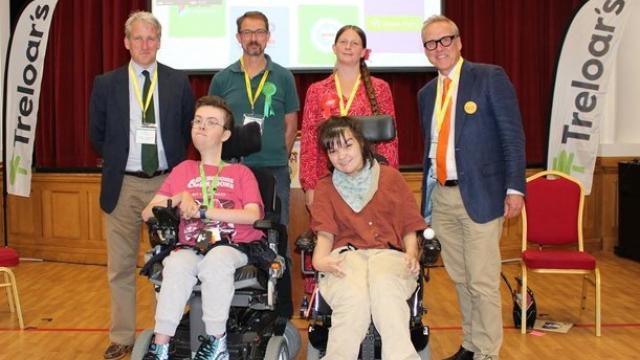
(312, 352)
(292, 338)
(276, 349)
(141, 346)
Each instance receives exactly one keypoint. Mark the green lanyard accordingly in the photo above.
(206, 200)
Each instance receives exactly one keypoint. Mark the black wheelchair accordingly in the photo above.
(254, 329)
(375, 129)
(370, 348)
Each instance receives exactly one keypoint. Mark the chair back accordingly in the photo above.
(267, 185)
(377, 128)
(245, 140)
(553, 210)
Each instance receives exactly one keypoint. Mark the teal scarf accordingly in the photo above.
(358, 189)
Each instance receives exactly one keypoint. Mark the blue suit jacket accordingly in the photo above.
(489, 143)
(109, 124)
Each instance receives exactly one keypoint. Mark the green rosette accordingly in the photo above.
(268, 90)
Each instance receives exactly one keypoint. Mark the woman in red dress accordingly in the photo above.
(350, 90)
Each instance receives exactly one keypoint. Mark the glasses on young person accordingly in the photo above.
(206, 123)
(445, 41)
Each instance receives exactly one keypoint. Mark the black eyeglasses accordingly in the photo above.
(445, 41)
(249, 33)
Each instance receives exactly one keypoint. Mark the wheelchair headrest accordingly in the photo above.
(244, 140)
(377, 128)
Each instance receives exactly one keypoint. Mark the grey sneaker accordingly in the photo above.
(212, 348)
(157, 352)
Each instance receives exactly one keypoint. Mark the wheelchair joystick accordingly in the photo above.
(430, 247)
(428, 233)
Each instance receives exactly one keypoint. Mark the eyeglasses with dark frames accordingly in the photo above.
(249, 33)
(445, 41)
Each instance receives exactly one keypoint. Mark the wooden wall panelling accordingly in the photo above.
(62, 220)
(65, 204)
(24, 223)
(591, 221)
(298, 223)
(609, 200)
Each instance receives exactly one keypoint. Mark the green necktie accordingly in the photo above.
(149, 151)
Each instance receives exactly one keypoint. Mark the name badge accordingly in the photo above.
(146, 135)
(249, 118)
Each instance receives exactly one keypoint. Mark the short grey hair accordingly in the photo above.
(439, 18)
(142, 16)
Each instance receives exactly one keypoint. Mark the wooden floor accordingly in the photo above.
(66, 311)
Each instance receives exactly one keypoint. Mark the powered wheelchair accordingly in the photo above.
(375, 129)
(254, 329)
(370, 348)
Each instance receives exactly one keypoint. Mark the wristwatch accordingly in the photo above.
(203, 211)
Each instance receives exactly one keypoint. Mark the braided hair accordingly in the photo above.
(364, 70)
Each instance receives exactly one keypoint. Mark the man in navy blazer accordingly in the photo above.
(118, 129)
(474, 177)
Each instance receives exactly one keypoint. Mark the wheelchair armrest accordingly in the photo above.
(264, 224)
(306, 241)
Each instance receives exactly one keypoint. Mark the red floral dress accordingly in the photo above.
(321, 103)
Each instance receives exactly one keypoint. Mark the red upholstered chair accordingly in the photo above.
(552, 233)
(9, 258)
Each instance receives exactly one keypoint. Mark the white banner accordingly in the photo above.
(5, 15)
(581, 86)
(26, 59)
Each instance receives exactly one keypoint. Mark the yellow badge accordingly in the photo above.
(470, 107)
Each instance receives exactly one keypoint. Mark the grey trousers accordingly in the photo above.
(182, 269)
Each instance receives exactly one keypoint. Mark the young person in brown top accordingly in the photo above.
(366, 219)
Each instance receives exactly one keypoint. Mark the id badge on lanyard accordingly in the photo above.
(146, 134)
(269, 91)
(249, 118)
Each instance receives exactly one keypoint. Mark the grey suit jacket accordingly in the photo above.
(109, 123)
(489, 143)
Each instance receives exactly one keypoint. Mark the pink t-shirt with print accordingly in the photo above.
(237, 186)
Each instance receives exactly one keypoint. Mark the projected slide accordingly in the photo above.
(201, 34)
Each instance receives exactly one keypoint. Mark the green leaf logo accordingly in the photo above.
(564, 163)
(15, 169)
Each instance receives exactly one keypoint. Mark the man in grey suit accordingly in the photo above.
(140, 118)
(474, 177)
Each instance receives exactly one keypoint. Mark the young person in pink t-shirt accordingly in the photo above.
(216, 198)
